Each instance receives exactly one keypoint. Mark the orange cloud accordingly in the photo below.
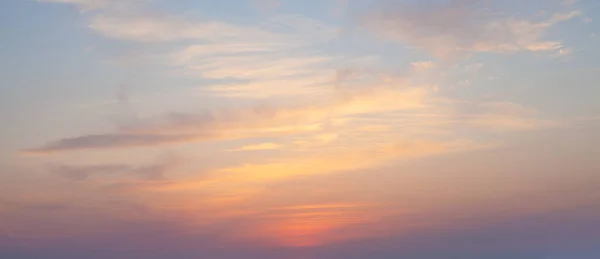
(256, 147)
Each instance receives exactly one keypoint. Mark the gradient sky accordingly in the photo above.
(300, 129)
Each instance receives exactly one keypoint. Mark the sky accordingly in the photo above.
(301, 129)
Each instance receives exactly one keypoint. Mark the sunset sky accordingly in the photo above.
(300, 129)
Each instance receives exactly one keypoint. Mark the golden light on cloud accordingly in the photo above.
(330, 162)
(256, 147)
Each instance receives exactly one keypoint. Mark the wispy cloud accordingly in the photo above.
(263, 55)
(320, 117)
(327, 163)
(244, 122)
(461, 27)
(422, 65)
(502, 116)
(156, 171)
(87, 5)
(103, 141)
(257, 147)
(80, 173)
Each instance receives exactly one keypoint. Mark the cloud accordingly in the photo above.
(294, 222)
(460, 27)
(262, 55)
(502, 116)
(420, 66)
(268, 118)
(39, 206)
(270, 57)
(271, 60)
(277, 74)
(261, 146)
(147, 28)
(158, 171)
(87, 5)
(104, 141)
(309, 85)
(80, 173)
(415, 110)
(309, 224)
(279, 31)
(151, 172)
(264, 66)
(315, 141)
(320, 162)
